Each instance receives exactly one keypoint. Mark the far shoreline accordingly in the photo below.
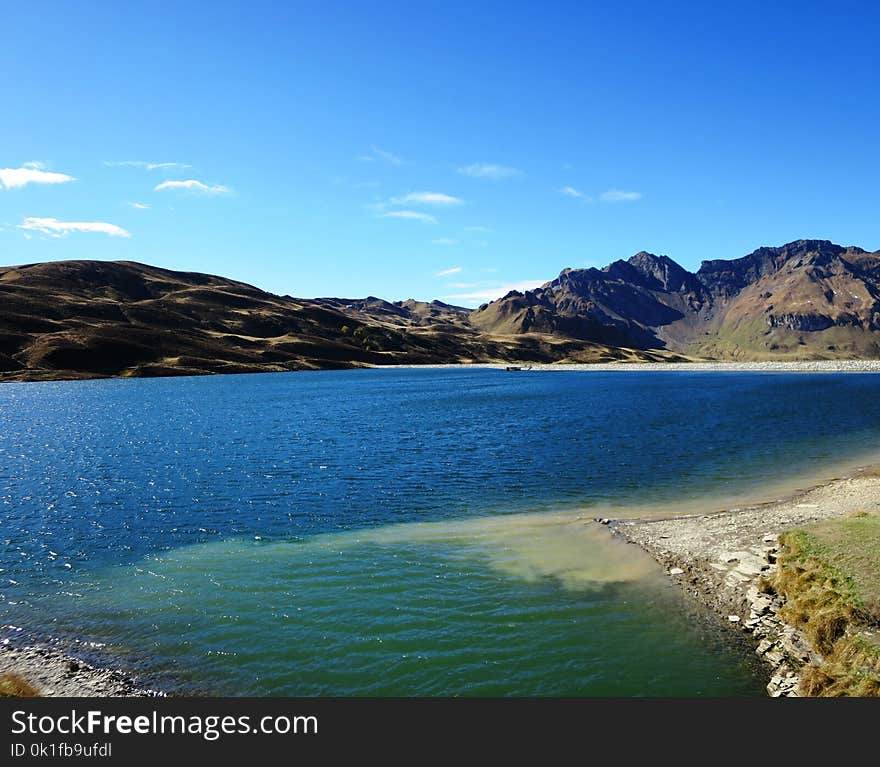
(768, 366)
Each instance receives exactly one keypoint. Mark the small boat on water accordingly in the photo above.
(518, 367)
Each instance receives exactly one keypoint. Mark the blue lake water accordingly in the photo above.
(395, 532)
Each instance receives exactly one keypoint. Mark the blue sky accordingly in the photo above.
(433, 150)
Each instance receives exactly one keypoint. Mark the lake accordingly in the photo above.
(400, 531)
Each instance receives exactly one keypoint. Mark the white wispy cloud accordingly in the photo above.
(138, 205)
(30, 173)
(488, 170)
(463, 285)
(376, 153)
(445, 241)
(55, 228)
(572, 192)
(619, 195)
(34, 165)
(490, 293)
(146, 165)
(435, 199)
(192, 185)
(427, 198)
(477, 229)
(410, 214)
(447, 272)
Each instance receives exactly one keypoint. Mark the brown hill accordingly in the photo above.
(85, 319)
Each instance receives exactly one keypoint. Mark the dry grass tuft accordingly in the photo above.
(814, 681)
(828, 579)
(13, 686)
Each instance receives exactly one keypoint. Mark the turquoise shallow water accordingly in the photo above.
(406, 532)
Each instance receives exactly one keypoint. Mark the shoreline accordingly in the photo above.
(61, 673)
(715, 557)
(718, 559)
(768, 366)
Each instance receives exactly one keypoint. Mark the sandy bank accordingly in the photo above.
(718, 559)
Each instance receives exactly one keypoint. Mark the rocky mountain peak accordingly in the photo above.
(661, 270)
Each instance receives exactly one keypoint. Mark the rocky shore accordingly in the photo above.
(802, 366)
(719, 560)
(54, 673)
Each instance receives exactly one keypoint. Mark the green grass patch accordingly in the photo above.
(829, 576)
(852, 544)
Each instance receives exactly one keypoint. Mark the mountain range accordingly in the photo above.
(809, 299)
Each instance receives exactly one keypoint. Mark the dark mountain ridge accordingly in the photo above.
(809, 299)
